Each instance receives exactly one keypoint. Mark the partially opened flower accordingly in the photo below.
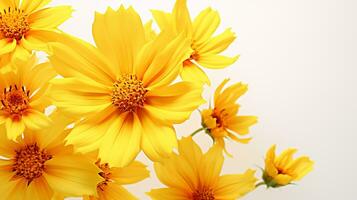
(222, 121)
(284, 169)
(123, 89)
(200, 31)
(110, 187)
(29, 25)
(192, 175)
(40, 165)
(24, 96)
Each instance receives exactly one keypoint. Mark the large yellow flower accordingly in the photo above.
(192, 175)
(222, 121)
(39, 165)
(29, 25)
(283, 170)
(23, 98)
(206, 47)
(110, 187)
(124, 89)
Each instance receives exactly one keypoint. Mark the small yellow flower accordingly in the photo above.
(124, 88)
(283, 170)
(222, 121)
(39, 165)
(206, 47)
(24, 96)
(29, 25)
(192, 175)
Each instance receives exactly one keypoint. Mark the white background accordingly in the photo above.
(298, 57)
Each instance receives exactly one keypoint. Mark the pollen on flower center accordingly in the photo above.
(105, 174)
(203, 194)
(194, 56)
(29, 162)
(15, 100)
(13, 23)
(128, 93)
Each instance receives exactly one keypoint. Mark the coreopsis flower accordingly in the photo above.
(222, 121)
(192, 175)
(24, 96)
(29, 25)
(206, 47)
(110, 187)
(284, 169)
(39, 165)
(123, 89)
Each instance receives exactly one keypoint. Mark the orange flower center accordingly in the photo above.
(29, 162)
(13, 23)
(194, 56)
(105, 174)
(128, 93)
(203, 194)
(15, 100)
(219, 116)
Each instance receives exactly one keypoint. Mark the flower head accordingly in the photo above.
(222, 120)
(24, 96)
(206, 47)
(283, 170)
(123, 89)
(192, 175)
(29, 25)
(110, 187)
(39, 165)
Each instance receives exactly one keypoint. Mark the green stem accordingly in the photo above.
(197, 131)
(259, 184)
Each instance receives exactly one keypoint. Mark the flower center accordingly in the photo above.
(194, 56)
(219, 116)
(105, 174)
(29, 162)
(203, 194)
(15, 100)
(13, 23)
(128, 93)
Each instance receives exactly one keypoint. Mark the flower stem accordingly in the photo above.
(197, 131)
(259, 184)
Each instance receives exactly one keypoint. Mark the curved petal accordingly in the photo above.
(218, 43)
(49, 18)
(9, 3)
(158, 140)
(121, 143)
(204, 25)
(30, 6)
(38, 189)
(241, 124)
(7, 46)
(182, 18)
(168, 193)
(213, 61)
(14, 128)
(34, 119)
(300, 167)
(164, 21)
(119, 35)
(133, 173)
(7, 146)
(211, 165)
(115, 192)
(72, 175)
(193, 73)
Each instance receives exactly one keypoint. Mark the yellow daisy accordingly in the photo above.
(29, 25)
(40, 165)
(192, 175)
(222, 121)
(123, 88)
(283, 170)
(206, 47)
(23, 97)
(110, 187)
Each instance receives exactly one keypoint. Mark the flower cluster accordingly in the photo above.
(72, 126)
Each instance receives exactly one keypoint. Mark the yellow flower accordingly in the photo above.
(40, 165)
(283, 170)
(29, 26)
(23, 97)
(206, 47)
(110, 187)
(222, 121)
(124, 89)
(192, 175)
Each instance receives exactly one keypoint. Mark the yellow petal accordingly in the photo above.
(72, 175)
(123, 137)
(213, 61)
(300, 167)
(230, 95)
(30, 6)
(193, 73)
(14, 128)
(133, 173)
(36, 120)
(212, 163)
(9, 3)
(191, 152)
(235, 186)
(7, 146)
(182, 18)
(168, 193)
(38, 189)
(241, 124)
(115, 192)
(285, 158)
(204, 25)
(270, 168)
(157, 140)
(49, 18)
(7, 46)
(164, 21)
(283, 179)
(218, 43)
